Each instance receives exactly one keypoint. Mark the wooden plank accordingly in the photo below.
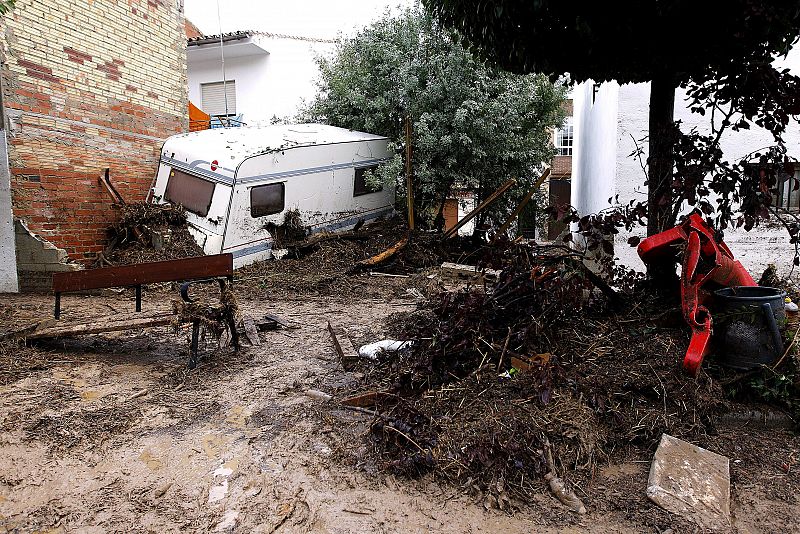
(527, 198)
(145, 273)
(280, 320)
(344, 348)
(491, 198)
(55, 329)
(250, 330)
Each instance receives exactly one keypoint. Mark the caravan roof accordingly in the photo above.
(237, 144)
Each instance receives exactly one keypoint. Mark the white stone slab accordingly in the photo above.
(692, 482)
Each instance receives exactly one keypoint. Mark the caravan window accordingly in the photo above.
(189, 191)
(267, 199)
(360, 186)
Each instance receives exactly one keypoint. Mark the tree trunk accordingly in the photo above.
(660, 165)
(661, 158)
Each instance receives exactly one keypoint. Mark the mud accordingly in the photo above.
(237, 446)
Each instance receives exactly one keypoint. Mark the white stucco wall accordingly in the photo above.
(595, 146)
(8, 258)
(268, 85)
(755, 249)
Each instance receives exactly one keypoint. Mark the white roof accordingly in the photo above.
(240, 143)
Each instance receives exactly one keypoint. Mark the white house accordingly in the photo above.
(609, 118)
(253, 76)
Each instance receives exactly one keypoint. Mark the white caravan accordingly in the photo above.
(235, 182)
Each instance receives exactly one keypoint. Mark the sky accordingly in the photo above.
(306, 18)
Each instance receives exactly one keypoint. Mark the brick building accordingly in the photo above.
(87, 85)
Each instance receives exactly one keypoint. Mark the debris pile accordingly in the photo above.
(548, 359)
(325, 263)
(148, 232)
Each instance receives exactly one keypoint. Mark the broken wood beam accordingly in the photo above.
(51, 328)
(527, 198)
(491, 198)
(385, 255)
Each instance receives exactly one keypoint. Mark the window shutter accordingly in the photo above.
(213, 96)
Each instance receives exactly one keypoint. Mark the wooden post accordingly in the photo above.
(409, 179)
(527, 198)
(491, 198)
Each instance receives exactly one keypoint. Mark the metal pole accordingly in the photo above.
(222, 56)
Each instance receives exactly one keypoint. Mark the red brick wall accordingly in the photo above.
(89, 85)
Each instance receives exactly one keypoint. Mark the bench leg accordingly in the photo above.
(57, 310)
(138, 298)
(195, 342)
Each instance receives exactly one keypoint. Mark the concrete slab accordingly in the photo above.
(692, 482)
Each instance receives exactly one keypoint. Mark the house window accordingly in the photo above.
(786, 191)
(219, 98)
(267, 199)
(191, 192)
(360, 185)
(564, 139)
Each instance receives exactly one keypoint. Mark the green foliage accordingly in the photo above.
(781, 388)
(625, 40)
(474, 126)
(6, 6)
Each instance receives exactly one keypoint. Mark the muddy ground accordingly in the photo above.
(111, 433)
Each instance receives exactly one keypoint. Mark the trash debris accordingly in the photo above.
(319, 395)
(691, 482)
(572, 364)
(373, 350)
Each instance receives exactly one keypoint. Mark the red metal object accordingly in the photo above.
(707, 264)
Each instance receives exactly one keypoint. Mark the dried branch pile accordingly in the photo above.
(539, 357)
(149, 232)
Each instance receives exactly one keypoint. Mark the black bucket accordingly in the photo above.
(747, 325)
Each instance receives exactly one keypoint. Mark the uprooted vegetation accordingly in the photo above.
(325, 263)
(540, 361)
(149, 232)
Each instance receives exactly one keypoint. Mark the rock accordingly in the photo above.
(691, 482)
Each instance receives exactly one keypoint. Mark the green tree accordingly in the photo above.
(721, 50)
(474, 125)
(6, 6)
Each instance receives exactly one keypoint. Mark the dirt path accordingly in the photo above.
(111, 433)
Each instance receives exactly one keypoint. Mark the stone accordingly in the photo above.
(691, 482)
